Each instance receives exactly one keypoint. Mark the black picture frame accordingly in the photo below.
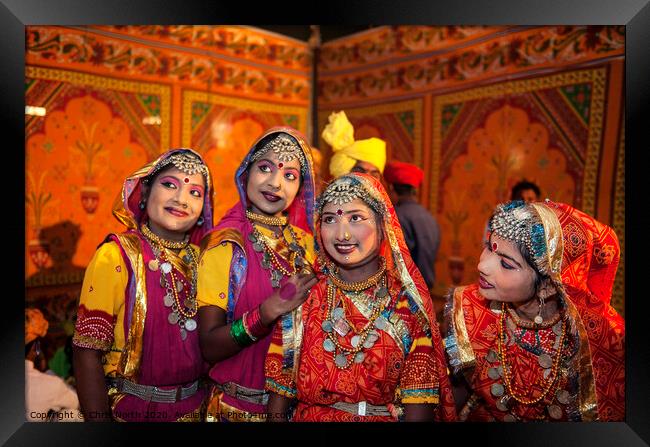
(635, 14)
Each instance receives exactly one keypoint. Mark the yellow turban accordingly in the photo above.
(339, 134)
(35, 325)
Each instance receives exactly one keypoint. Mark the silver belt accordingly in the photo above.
(253, 396)
(362, 408)
(153, 393)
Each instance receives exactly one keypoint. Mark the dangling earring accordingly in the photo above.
(200, 221)
(538, 318)
(143, 204)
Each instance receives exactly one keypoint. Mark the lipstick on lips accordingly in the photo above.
(175, 212)
(345, 249)
(270, 196)
(483, 284)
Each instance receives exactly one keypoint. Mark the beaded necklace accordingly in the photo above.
(270, 259)
(182, 314)
(276, 221)
(338, 326)
(507, 369)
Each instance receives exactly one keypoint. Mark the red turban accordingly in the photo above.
(404, 173)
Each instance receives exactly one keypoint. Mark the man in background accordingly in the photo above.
(421, 230)
(526, 191)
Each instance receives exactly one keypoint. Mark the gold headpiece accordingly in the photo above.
(285, 147)
(535, 227)
(345, 189)
(186, 162)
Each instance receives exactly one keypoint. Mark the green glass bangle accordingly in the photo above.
(238, 333)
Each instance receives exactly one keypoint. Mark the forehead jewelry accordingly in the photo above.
(185, 162)
(285, 147)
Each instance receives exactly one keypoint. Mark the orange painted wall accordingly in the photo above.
(116, 97)
(479, 108)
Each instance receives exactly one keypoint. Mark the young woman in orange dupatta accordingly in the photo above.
(254, 270)
(536, 338)
(366, 345)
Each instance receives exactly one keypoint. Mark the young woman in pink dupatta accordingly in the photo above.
(136, 348)
(255, 269)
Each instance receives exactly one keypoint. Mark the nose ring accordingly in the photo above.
(346, 236)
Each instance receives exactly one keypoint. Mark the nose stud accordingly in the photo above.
(346, 236)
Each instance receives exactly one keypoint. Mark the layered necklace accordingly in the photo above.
(336, 326)
(506, 393)
(270, 259)
(181, 313)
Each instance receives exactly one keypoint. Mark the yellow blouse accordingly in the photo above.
(214, 267)
(100, 318)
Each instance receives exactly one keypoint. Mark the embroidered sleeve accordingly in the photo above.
(214, 271)
(419, 382)
(102, 295)
(278, 379)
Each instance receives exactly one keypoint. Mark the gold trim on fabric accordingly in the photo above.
(554, 240)
(178, 262)
(229, 412)
(132, 352)
(85, 341)
(465, 351)
(588, 404)
(215, 238)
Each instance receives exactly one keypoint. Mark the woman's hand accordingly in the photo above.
(289, 296)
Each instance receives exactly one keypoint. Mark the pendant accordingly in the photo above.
(342, 327)
(381, 323)
(497, 390)
(338, 313)
(562, 396)
(179, 286)
(372, 338)
(189, 303)
(168, 300)
(538, 319)
(173, 318)
(190, 324)
(166, 268)
(265, 264)
(328, 345)
(493, 373)
(276, 275)
(258, 247)
(183, 334)
(554, 411)
(546, 373)
(545, 360)
(295, 247)
(355, 341)
(299, 262)
(187, 258)
(153, 265)
(341, 360)
(492, 356)
(503, 402)
(557, 328)
(252, 238)
(381, 292)
(327, 326)
(358, 358)
(275, 283)
(495, 306)
(163, 283)
(509, 418)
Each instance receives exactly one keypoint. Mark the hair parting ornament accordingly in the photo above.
(286, 148)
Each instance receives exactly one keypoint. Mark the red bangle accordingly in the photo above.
(254, 323)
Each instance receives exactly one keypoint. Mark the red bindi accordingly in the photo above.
(186, 180)
(339, 212)
(494, 246)
(280, 165)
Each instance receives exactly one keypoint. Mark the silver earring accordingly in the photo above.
(538, 318)
(199, 222)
